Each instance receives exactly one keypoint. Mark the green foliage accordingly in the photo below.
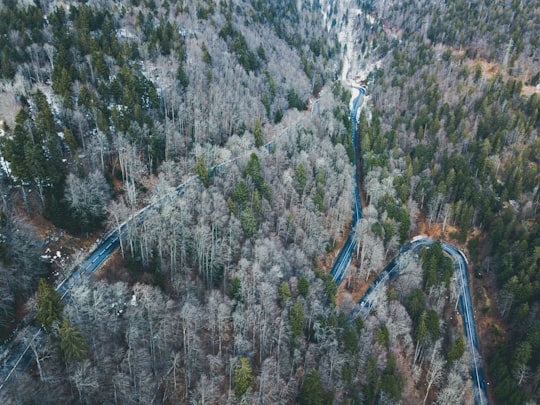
(506, 388)
(253, 170)
(203, 13)
(391, 383)
(303, 286)
(284, 293)
(372, 385)
(34, 151)
(359, 325)
(473, 246)
(420, 330)
(383, 336)
(432, 324)
(399, 214)
(241, 194)
(261, 53)
(236, 289)
(238, 45)
(318, 200)
(437, 266)
(249, 223)
(456, 349)
(207, 58)
(329, 286)
(258, 133)
(350, 340)
(182, 77)
(297, 319)
(72, 343)
(7, 71)
(201, 170)
(70, 140)
(49, 305)
(278, 116)
(416, 304)
(232, 206)
(347, 374)
(300, 175)
(243, 377)
(311, 392)
(295, 101)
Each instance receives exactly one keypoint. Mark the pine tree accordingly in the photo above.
(297, 319)
(243, 377)
(49, 304)
(201, 170)
(456, 350)
(258, 133)
(303, 286)
(249, 223)
(311, 393)
(72, 343)
(300, 175)
(284, 293)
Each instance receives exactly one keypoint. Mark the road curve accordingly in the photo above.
(392, 270)
(16, 354)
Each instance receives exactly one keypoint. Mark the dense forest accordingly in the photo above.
(454, 130)
(223, 294)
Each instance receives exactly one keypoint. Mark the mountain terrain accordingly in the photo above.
(222, 293)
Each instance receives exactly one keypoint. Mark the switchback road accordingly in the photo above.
(393, 269)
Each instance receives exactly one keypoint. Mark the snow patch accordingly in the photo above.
(125, 33)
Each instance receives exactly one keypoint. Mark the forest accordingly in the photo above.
(223, 294)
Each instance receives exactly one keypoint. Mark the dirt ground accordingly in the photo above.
(490, 327)
(490, 69)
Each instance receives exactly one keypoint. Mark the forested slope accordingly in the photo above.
(454, 129)
(216, 298)
(222, 296)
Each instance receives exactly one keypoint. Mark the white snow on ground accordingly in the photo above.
(3, 163)
(356, 67)
(347, 38)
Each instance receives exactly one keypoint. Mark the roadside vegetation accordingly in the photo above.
(223, 295)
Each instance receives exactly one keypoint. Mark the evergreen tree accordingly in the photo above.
(297, 319)
(456, 350)
(243, 377)
(72, 343)
(301, 178)
(201, 170)
(284, 293)
(303, 286)
(311, 393)
(249, 223)
(49, 304)
(258, 133)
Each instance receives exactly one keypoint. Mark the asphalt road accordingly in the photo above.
(345, 255)
(18, 354)
(393, 269)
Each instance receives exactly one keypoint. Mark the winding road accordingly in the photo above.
(392, 270)
(17, 354)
